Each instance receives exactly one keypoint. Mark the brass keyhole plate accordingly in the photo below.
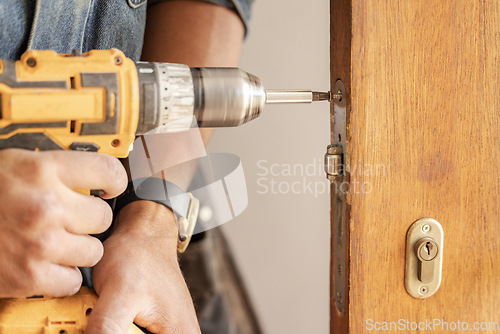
(424, 229)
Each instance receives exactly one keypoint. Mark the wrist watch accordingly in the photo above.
(184, 205)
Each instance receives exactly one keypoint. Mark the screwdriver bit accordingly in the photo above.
(298, 96)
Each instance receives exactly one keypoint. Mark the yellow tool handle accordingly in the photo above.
(66, 315)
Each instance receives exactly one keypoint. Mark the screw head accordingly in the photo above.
(426, 228)
(423, 290)
(118, 60)
(115, 143)
(339, 298)
(339, 95)
(31, 62)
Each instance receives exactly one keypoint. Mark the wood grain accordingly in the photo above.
(425, 105)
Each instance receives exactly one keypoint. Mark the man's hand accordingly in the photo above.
(45, 224)
(139, 278)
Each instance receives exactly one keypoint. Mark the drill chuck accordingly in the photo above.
(171, 94)
(226, 96)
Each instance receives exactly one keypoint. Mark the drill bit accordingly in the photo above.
(298, 96)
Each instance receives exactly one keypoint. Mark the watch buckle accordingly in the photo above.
(187, 224)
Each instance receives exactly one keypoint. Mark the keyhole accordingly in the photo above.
(428, 248)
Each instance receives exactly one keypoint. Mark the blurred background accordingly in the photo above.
(281, 241)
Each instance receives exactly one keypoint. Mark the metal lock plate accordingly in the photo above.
(335, 167)
(424, 258)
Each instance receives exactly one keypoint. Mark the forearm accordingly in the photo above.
(194, 33)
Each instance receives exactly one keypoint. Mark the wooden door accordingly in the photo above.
(422, 99)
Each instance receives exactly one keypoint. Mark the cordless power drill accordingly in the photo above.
(99, 101)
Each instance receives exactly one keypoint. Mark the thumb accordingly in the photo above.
(113, 313)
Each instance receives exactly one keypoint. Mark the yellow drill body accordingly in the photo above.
(54, 101)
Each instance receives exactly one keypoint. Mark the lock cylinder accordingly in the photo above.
(426, 251)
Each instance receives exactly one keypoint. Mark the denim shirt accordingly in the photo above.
(64, 25)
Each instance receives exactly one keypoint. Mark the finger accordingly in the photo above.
(59, 281)
(89, 215)
(113, 313)
(77, 251)
(89, 170)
